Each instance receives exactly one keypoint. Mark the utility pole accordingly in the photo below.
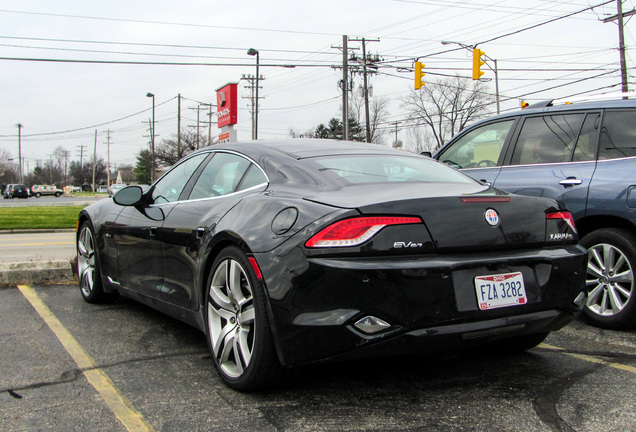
(344, 84)
(366, 91)
(81, 155)
(366, 86)
(179, 126)
(20, 150)
(198, 126)
(621, 40)
(94, 159)
(396, 143)
(253, 87)
(108, 158)
(66, 153)
(345, 87)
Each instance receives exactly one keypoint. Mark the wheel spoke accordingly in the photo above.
(596, 256)
(235, 276)
(243, 346)
(248, 315)
(624, 277)
(218, 298)
(223, 346)
(595, 294)
(614, 299)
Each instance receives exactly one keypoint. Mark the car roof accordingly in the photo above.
(563, 105)
(300, 148)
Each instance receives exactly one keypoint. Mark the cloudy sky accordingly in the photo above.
(70, 68)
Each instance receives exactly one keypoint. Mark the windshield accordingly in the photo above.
(359, 169)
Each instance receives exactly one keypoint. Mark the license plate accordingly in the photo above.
(501, 290)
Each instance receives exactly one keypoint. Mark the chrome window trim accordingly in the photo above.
(222, 196)
(551, 163)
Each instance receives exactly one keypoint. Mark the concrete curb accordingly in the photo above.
(36, 272)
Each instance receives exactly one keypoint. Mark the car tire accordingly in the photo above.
(57, 194)
(38, 194)
(611, 301)
(88, 272)
(237, 325)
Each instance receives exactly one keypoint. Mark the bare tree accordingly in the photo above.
(447, 106)
(168, 152)
(418, 140)
(8, 170)
(378, 112)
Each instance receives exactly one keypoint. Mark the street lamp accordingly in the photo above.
(253, 52)
(152, 139)
(472, 47)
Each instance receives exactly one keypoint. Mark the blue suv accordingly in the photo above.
(584, 155)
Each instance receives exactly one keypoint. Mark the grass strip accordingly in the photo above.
(16, 218)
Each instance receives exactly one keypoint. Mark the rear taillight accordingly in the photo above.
(355, 231)
(565, 216)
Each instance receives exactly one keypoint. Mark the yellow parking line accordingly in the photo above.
(36, 244)
(591, 359)
(118, 403)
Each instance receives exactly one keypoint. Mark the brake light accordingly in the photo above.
(563, 215)
(355, 231)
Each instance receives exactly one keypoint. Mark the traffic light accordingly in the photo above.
(477, 63)
(418, 75)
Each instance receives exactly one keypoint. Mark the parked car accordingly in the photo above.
(17, 191)
(300, 251)
(114, 188)
(39, 190)
(584, 155)
(5, 191)
(102, 189)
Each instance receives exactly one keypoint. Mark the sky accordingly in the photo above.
(71, 69)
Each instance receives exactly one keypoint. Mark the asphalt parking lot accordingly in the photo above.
(66, 365)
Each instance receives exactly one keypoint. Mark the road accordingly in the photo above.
(49, 201)
(71, 366)
(37, 246)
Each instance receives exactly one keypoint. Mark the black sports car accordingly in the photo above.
(300, 251)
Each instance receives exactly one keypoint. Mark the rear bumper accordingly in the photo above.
(429, 303)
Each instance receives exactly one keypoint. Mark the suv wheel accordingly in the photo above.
(38, 194)
(611, 299)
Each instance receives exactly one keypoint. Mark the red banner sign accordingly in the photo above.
(227, 104)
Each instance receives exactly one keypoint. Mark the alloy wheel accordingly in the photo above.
(610, 280)
(231, 318)
(86, 261)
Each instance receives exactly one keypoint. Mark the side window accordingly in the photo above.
(169, 188)
(585, 149)
(547, 139)
(221, 176)
(253, 177)
(618, 135)
(481, 147)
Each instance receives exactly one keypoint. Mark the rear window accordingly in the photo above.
(618, 135)
(384, 168)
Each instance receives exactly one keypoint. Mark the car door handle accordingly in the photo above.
(153, 231)
(570, 181)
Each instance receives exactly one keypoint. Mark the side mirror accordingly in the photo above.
(128, 196)
(426, 153)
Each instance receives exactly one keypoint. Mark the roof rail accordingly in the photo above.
(541, 104)
(604, 96)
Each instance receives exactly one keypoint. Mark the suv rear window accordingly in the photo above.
(618, 135)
